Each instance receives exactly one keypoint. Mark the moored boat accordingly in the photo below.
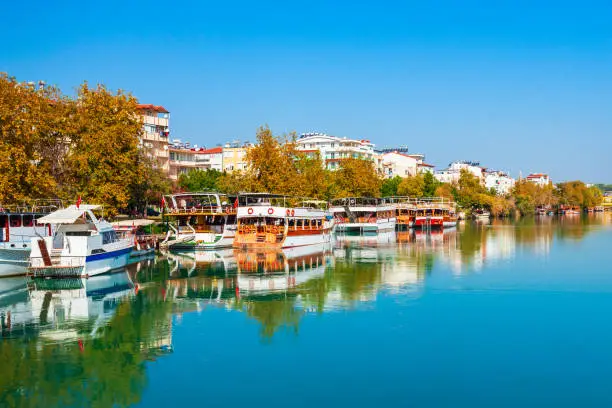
(201, 220)
(435, 212)
(276, 221)
(363, 215)
(405, 211)
(144, 244)
(81, 246)
(18, 224)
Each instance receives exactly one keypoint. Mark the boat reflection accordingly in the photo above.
(64, 309)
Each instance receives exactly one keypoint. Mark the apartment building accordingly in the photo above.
(499, 181)
(540, 179)
(184, 158)
(333, 149)
(453, 172)
(156, 130)
(234, 156)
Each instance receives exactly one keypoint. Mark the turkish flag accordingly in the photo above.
(78, 203)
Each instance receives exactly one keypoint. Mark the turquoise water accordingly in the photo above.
(485, 315)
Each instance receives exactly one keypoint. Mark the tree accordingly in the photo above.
(356, 178)
(33, 126)
(430, 184)
(104, 157)
(445, 190)
(200, 180)
(389, 186)
(412, 186)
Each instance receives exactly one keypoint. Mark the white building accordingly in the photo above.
(500, 181)
(184, 159)
(334, 149)
(540, 179)
(452, 173)
(398, 164)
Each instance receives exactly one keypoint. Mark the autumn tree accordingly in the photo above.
(412, 186)
(356, 178)
(104, 157)
(32, 140)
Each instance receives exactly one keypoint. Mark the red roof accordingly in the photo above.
(536, 175)
(426, 165)
(156, 108)
(214, 150)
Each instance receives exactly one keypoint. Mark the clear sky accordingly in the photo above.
(517, 85)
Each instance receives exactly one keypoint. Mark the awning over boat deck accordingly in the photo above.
(67, 215)
(142, 222)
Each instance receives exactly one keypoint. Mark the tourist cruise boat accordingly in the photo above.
(363, 215)
(82, 245)
(276, 221)
(435, 212)
(18, 224)
(405, 211)
(200, 220)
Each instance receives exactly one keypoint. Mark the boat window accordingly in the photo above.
(77, 233)
(3, 221)
(15, 221)
(28, 220)
(231, 219)
(299, 224)
(108, 237)
(291, 224)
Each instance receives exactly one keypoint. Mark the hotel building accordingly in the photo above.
(156, 130)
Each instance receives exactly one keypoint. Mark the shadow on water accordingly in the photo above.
(74, 341)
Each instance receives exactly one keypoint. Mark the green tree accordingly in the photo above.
(389, 186)
(430, 184)
(200, 180)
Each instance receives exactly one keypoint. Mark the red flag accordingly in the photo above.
(163, 202)
(236, 203)
(78, 203)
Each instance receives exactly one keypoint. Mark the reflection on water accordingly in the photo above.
(93, 338)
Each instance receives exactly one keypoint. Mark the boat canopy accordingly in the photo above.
(67, 215)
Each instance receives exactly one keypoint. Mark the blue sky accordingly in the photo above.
(520, 86)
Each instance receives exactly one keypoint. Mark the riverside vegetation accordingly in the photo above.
(53, 145)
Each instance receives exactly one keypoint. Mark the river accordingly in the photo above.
(501, 314)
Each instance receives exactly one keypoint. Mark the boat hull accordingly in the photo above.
(205, 241)
(366, 228)
(14, 262)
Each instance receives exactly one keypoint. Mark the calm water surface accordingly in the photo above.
(487, 315)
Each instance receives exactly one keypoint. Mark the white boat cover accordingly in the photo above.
(67, 215)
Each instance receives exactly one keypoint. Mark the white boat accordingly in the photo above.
(144, 244)
(363, 215)
(274, 221)
(200, 221)
(18, 225)
(81, 246)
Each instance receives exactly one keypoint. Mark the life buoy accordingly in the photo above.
(288, 211)
(292, 213)
(270, 210)
(250, 211)
(193, 210)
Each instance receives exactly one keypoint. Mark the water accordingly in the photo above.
(487, 315)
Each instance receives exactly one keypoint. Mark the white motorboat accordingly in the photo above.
(81, 246)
